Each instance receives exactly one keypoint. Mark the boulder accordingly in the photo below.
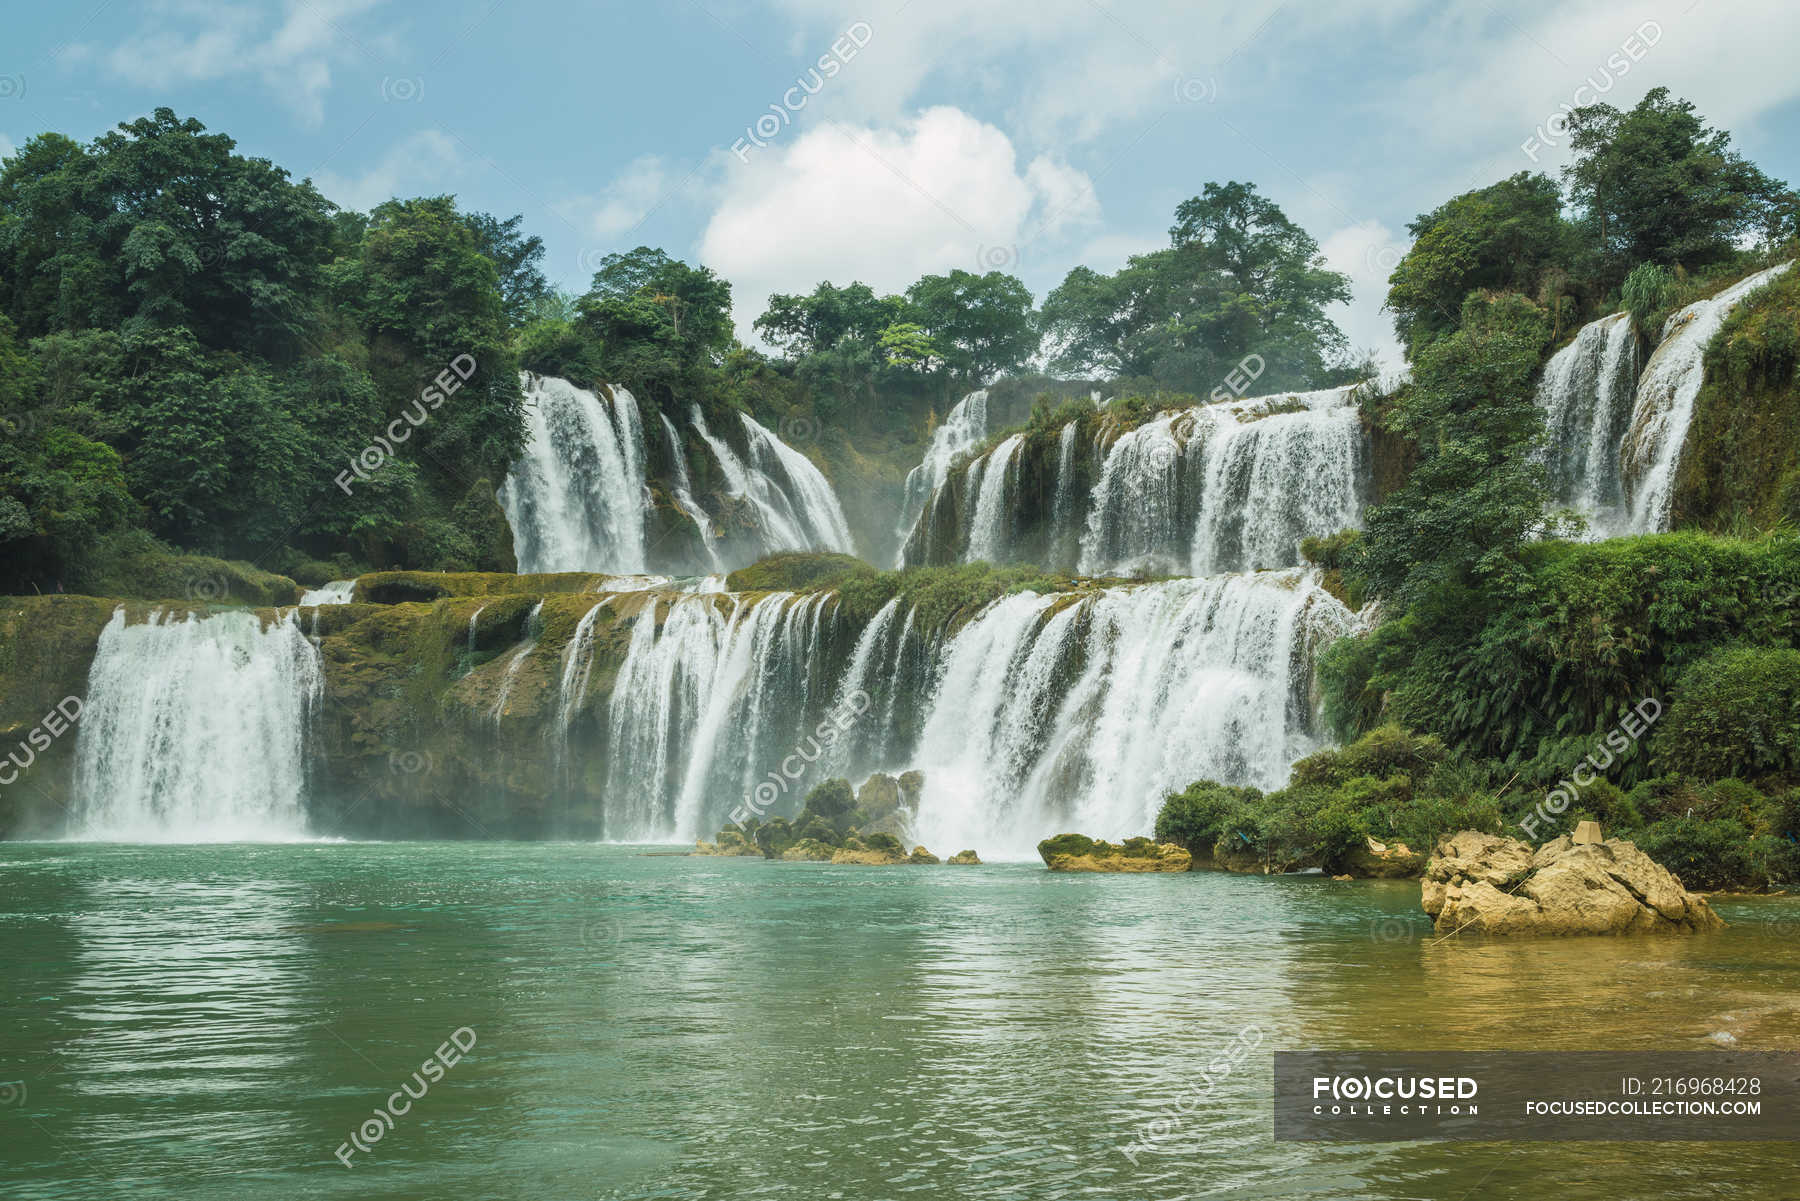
(1078, 853)
(1488, 884)
(921, 855)
(812, 850)
(964, 858)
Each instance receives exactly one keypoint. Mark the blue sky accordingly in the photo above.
(945, 133)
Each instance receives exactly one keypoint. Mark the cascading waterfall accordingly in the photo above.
(1052, 715)
(577, 499)
(195, 730)
(710, 698)
(960, 433)
(1042, 713)
(987, 535)
(1586, 395)
(684, 494)
(1665, 402)
(1135, 521)
(517, 661)
(795, 506)
(1269, 482)
(1228, 487)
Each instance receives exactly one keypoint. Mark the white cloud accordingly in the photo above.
(1367, 252)
(886, 205)
(631, 196)
(189, 42)
(7, 149)
(428, 163)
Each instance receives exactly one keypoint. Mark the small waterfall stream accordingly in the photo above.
(1586, 395)
(961, 432)
(195, 730)
(1665, 401)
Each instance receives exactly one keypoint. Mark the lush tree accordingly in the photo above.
(424, 294)
(657, 318)
(1479, 488)
(1657, 184)
(1238, 279)
(981, 325)
(906, 344)
(1509, 236)
(516, 259)
(803, 325)
(160, 221)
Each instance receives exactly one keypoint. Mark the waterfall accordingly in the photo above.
(1665, 401)
(1134, 524)
(708, 701)
(338, 592)
(195, 730)
(683, 488)
(988, 533)
(1228, 487)
(1269, 480)
(517, 661)
(577, 500)
(1050, 715)
(961, 431)
(802, 515)
(808, 492)
(1586, 395)
(1042, 713)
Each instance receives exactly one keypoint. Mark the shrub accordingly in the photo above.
(1382, 752)
(1735, 713)
(884, 843)
(1203, 813)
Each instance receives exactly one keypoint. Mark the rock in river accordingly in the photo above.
(1487, 884)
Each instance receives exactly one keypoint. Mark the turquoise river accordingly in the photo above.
(218, 1022)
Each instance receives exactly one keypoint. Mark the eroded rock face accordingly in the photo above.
(1384, 861)
(1487, 884)
(1078, 853)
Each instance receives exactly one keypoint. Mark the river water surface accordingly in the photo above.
(216, 1022)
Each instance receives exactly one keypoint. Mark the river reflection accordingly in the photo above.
(214, 1022)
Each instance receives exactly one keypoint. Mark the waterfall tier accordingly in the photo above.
(581, 498)
(1202, 490)
(195, 730)
(1044, 712)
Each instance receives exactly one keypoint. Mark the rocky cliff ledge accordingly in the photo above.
(1485, 884)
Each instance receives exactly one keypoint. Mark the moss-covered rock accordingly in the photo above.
(965, 859)
(811, 850)
(1078, 853)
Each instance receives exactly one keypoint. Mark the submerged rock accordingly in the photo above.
(1487, 884)
(1078, 853)
(965, 858)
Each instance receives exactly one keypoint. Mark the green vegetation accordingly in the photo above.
(1238, 279)
(1736, 713)
(1390, 786)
